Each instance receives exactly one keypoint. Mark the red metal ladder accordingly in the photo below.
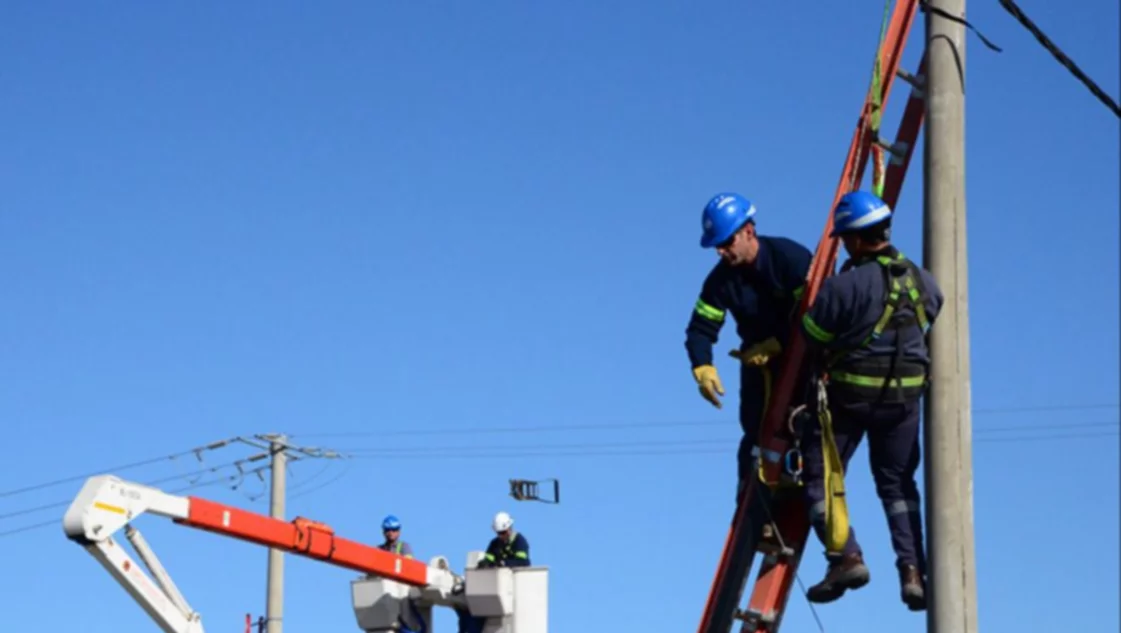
(761, 505)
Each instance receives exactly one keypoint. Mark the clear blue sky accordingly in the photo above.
(361, 217)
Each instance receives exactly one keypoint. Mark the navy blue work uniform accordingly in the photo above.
(761, 297)
(870, 321)
(499, 554)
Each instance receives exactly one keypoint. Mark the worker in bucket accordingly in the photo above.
(509, 548)
(868, 326)
(759, 281)
(391, 528)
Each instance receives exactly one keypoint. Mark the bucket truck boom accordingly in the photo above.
(392, 589)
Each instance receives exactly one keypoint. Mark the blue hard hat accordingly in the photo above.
(858, 210)
(724, 214)
(390, 523)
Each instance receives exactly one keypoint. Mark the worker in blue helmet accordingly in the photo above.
(867, 331)
(758, 281)
(391, 529)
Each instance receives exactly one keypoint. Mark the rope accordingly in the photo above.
(797, 576)
(879, 171)
(874, 90)
(1059, 55)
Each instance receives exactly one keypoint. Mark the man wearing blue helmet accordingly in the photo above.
(868, 325)
(391, 528)
(758, 280)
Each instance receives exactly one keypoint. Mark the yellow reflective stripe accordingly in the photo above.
(875, 381)
(521, 555)
(489, 556)
(815, 330)
(799, 291)
(709, 312)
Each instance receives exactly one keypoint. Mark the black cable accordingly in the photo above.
(153, 482)
(34, 526)
(924, 5)
(1059, 55)
(146, 462)
(461, 430)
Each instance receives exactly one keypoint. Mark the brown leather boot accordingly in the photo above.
(845, 572)
(913, 589)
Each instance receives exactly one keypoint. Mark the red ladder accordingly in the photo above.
(762, 505)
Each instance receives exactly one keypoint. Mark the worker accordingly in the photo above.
(391, 528)
(509, 548)
(759, 281)
(868, 329)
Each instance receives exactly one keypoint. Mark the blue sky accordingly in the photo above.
(383, 220)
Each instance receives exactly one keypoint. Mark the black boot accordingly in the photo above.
(844, 573)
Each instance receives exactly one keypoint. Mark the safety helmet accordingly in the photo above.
(858, 210)
(502, 522)
(724, 214)
(390, 523)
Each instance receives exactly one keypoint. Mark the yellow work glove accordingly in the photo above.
(709, 382)
(759, 353)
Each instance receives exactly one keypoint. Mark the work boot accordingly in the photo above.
(912, 587)
(845, 572)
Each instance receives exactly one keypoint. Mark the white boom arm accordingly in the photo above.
(394, 589)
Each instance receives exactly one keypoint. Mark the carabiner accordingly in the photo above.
(792, 462)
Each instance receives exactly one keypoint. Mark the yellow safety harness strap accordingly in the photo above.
(836, 507)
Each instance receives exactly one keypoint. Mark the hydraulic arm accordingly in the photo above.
(509, 602)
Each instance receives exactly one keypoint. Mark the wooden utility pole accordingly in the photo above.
(951, 586)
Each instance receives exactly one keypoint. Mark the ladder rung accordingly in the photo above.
(753, 618)
(895, 150)
(916, 82)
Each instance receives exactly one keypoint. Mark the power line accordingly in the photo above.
(202, 471)
(239, 475)
(1059, 55)
(147, 462)
(623, 449)
(237, 464)
(609, 426)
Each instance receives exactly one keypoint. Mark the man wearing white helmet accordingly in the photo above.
(508, 548)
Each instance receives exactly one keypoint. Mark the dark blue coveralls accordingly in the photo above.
(499, 554)
(502, 554)
(761, 298)
(864, 344)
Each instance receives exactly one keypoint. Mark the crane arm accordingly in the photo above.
(106, 504)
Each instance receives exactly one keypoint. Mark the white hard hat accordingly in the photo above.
(502, 522)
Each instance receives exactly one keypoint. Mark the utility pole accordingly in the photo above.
(951, 587)
(274, 608)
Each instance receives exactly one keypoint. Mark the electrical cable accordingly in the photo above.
(1015, 11)
(194, 486)
(155, 460)
(461, 430)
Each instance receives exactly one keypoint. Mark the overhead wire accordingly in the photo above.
(623, 449)
(202, 472)
(194, 486)
(1016, 12)
(197, 451)
(608, 426)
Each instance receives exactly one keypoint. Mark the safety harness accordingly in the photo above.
(868, 378)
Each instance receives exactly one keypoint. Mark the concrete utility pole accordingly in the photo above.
(274, 608)
(951, 588)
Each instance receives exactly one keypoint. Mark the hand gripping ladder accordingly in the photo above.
(769, 518)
